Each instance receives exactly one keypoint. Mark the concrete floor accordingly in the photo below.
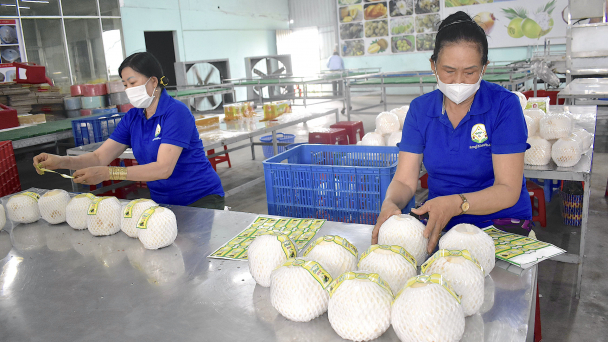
(564, 318)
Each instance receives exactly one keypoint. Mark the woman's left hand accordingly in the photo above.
(92, 175)
(441, 210)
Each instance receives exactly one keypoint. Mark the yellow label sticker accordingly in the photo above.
(30, 194)
(449, 253)
(508, 254)
(260, 220)
(433, 278)
(499, 248)
(305, 224)
(394, 248)
(315, 269)
(248, 232)
(509, 238)
(281, 223)
(95, 205)
(288, 247)
(145, 216)
(245, 243)
(233, 254)
(537, 245)
(270, 222)
(293, 223)
(316, 224)
(301, 243)
(373, 277)
(523, 241)
(128, 213)
(222, 251)
(307, 236)
(335, 239)
(88, 195)
(295, 235)
(237, 240)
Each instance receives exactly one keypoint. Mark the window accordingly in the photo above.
(79, 41)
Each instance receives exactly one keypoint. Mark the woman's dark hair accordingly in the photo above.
(459, 27)
(146, 64)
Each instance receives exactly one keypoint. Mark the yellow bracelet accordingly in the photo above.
(118, 173)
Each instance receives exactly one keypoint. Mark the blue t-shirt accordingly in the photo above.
(460, 160)
(193, 177)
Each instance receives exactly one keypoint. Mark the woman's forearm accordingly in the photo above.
(149, 172)
(81, 161)
(398, 194)
(491, 200)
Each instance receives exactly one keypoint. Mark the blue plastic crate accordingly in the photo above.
(281, 138)
(345, 183)
(94, 129)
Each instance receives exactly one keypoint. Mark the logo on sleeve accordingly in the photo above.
(479, 134)
(157, 133)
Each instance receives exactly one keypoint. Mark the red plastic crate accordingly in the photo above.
(551, 94)
(9, 176)
(8, 117)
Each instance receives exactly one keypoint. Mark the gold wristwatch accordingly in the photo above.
(464, 207)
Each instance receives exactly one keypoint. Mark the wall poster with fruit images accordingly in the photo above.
(373, 27)
(379, 27)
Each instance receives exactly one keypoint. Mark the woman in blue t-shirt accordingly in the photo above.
(166, 144)
(471, 136)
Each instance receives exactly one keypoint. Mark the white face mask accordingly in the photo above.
(138, 96)
(458, 92)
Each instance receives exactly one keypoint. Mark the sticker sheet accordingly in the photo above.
(300, 231)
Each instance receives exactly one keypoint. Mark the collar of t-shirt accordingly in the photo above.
(163, 102)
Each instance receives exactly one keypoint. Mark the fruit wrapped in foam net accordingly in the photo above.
(463, 272)
(428, 309)
(473, 239)
(160, 230)
(585, 138)
(536, 115)
(539, 152)
(523, 101)
(104, 216)
(387, 122)
(266, 253)
(394, 138)
(372, 139)
(359, 306)
(401, 113)
(531, 125)
(566, 152)
(555, 126)
(335, 253)
(392, 263)
(131, 214)
(297, 289)
(405, 231)
(53, 205)
(23, 207)
(76, 211)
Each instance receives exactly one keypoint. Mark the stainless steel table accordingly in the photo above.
(59, 284)
(585, 88)
(585, 117)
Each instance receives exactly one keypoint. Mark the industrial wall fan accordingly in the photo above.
(203, 73)
(268, 67)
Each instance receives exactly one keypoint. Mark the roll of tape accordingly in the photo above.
(94, 89)
(72, 103)
(112, 110)
(93, 102)
(115, 87)
(124, 108)
(76, 90)
(73, 113)
(118, 99)
(85, 112)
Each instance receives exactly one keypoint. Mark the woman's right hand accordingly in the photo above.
(47, 161)
(388, 209)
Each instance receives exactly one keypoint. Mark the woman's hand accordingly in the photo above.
(92, 175)
(441, 210)
(388, 209)
(47, 161)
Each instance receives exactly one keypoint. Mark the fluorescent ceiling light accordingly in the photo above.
(8, 5)
(291, 21)
(36, 1)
